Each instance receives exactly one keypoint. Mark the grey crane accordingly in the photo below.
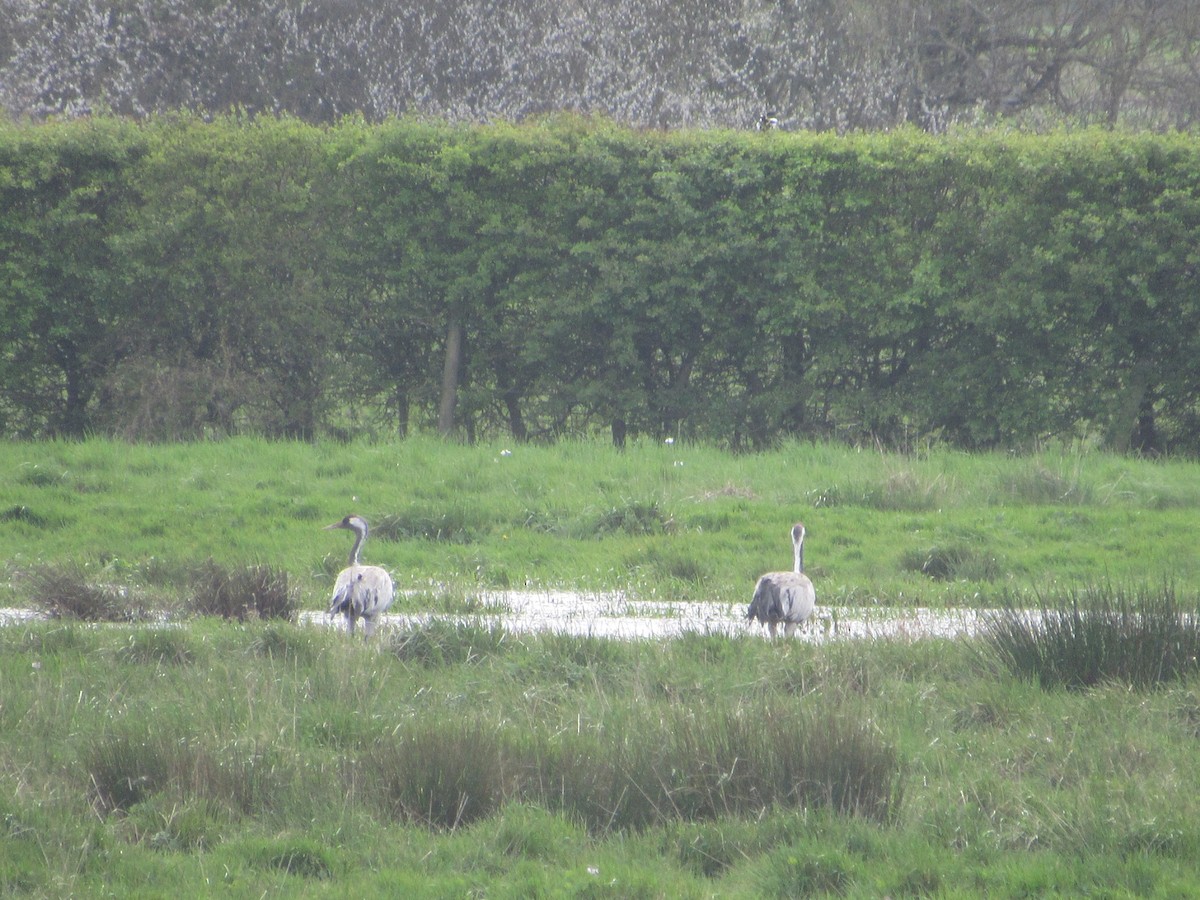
(360, 592)
(786, 597)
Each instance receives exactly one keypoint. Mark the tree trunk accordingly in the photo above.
(72, 418)
(402, 412)
(516, 421)
(450, 378)
(618, 432)
(1125, 420)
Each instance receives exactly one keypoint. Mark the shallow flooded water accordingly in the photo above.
(618, 615)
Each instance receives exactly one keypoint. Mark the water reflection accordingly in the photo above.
(618, 615)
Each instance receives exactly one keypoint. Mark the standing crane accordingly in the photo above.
(786, 597)
(360, 592)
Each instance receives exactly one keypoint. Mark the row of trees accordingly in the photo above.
(179, 278)
(819, 64)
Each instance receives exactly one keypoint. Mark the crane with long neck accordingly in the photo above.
(360, 592)
(785, 597)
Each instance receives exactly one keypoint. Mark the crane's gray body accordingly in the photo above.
(360, 592)
(786, 598)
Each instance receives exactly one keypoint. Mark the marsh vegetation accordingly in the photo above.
(233, 748)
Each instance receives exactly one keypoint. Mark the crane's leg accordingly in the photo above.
(771, 628)
(789, 629)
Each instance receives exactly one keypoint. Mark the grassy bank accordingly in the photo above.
(265, 758)
(279, 760)
(936, 529)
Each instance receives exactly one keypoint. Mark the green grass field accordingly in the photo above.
(942, 529)
(266, 758)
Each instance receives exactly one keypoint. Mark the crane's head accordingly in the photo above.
(351, 523)
(798, 533)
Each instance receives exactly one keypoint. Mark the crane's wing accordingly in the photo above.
(782, 596)
(362, 591)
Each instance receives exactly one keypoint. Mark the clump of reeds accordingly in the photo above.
(66, 592)
(443, 774)
(439, 643)
(1037, 483)
(636, 517)
(730, 761)
(158, 645)
(258, 592)
(302, 857)
(1139, 637)
(453, 523)
(631, 775)
(801, 875)
(285, 642)
(955, 560)
(126, 769)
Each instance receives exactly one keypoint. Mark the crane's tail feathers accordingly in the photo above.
(346, 603)
(766, 605)
(339, 604)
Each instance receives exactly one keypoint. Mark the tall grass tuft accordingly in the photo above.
(456, 522)
(64, 592)
(1137, 637)
(796, 873)
(291, 642)
(302, 857)
(22, 513)
(440, 643)
(633, 771)
(692, 766)
(443, 774)
(124, 770)
(158, 645)
(954, 560)
(259, 592)
(167, 823)
(1038, 483)
(635, 517)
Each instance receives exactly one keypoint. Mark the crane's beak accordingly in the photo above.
(333, 526)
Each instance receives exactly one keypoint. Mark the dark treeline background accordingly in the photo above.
(184, 277)
(818, 64)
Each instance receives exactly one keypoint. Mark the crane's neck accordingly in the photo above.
(799, 552)
(360, 537)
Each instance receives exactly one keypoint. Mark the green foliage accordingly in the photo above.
(632, 517)
(183, 278)
(460, 523)
(442, 774)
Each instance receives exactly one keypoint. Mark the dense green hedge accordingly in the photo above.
(182, 277)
